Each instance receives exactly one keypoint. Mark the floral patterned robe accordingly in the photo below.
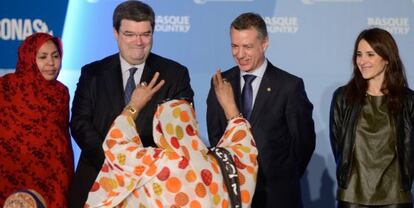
(177, 173)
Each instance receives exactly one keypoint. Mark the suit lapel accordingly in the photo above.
(147, 111)
(234, 79)
(149, 70)
(262, 96)
(113, 83)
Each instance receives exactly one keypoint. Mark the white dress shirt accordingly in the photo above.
(259, 72)
(125, 66)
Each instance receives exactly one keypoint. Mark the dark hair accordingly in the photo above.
(250, 20)
(58, 44)
(133, 10)
(395, 82)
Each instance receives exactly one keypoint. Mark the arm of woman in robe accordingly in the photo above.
(237, 138)
(126, 159)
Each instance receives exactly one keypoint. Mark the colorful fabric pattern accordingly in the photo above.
(35, 147)
(179, 172)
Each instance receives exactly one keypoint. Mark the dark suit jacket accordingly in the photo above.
(283, 129)
(99, 98)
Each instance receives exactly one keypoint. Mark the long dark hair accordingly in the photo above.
(395, 81)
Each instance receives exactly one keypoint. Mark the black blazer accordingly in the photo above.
(283, 129)
(99, 99)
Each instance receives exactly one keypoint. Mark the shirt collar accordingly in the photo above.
(125, 66)
(259, 72)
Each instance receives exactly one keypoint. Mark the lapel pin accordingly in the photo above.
(268, 89)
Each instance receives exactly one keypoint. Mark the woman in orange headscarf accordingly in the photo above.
(181, 171)
(35, 147)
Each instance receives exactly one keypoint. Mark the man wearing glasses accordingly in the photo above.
(105, 87)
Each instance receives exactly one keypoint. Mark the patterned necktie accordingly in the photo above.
(247, 95)
(130, 85)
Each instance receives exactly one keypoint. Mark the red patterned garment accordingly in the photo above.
(35, 147)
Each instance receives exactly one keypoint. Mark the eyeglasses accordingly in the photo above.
(131, 35)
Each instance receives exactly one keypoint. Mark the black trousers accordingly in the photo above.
(342, 204)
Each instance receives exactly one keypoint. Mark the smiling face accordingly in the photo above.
(370, 64)
(48, 60)
(134, 40)
(248, 49)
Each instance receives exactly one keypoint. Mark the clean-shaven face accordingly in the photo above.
(248, 49)
(134, 40)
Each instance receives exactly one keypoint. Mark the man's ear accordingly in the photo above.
(265, 43)
(116, 34)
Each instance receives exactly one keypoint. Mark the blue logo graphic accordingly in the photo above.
(17, 22)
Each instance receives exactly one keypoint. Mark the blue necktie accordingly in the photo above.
(247, 95)
(130, 85)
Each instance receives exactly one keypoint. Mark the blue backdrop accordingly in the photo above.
(312, 39)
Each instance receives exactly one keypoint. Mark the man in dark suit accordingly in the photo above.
(279, 112)
(105, 86)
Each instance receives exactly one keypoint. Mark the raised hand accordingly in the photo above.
(144, 92)
(225, 95)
